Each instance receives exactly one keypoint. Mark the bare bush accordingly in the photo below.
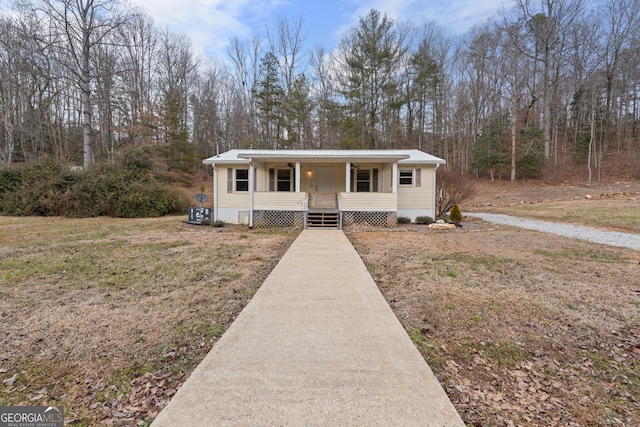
(451, 188)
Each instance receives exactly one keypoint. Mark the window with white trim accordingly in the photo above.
(406, 177)
(364, 180)
(281, 179)
(242, 180)
(284, 179)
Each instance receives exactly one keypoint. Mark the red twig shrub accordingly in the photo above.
(451, 189)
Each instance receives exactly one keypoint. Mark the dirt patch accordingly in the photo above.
(520, 327)
(108, 317)
(504, 193)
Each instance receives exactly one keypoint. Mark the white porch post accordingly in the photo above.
(215, 193)
(297, 177)
(348, 175)
(252, 172)
(394, 178)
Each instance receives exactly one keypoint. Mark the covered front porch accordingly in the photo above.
(327, 193)
(322, 209)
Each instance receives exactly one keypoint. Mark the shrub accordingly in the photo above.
(176, 202)
(93, 194)
(130, 188)
(403, 220)
(217, 224)
(9, 180)
(136, 161)
(455, 216)
(34, 188)
(148, 199)
(451, 188)
(426, 220)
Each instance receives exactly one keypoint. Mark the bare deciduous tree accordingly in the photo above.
(77, 27)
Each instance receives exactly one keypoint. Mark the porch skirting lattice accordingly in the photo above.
(264, 218)
(268, 218)
(375, 219)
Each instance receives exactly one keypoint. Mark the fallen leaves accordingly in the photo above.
(503, 341)
(10, 380)
(143, 400)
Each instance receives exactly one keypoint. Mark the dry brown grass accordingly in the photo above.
(520, 327)
(613, 206)
(108, 316)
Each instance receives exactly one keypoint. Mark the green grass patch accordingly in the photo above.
(610, 370)
(428, 348)
(506, 353)
(450, 273)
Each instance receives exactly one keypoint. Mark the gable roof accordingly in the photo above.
(401, 156)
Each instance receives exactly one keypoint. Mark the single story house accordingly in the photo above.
(323, 188)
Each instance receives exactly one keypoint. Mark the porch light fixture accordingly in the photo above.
(309, 174)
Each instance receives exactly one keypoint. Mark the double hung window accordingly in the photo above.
(242, 179)
(281, 179)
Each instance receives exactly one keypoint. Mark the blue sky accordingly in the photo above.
(210, 24)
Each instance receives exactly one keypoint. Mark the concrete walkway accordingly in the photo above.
(317, 345)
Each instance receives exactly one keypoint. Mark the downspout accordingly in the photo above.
(215, 193)
(252, 172)
(435, 190)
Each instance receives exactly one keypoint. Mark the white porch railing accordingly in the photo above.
(369, 202)
(279, 201)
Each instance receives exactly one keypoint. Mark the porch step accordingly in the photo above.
(323, 219)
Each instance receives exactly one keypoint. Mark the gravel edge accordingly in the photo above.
(611, 238)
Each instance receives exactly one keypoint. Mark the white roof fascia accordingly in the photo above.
(228, 157)
(402, 156)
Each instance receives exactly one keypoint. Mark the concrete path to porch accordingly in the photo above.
(316, 346)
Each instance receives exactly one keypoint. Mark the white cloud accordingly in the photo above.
(210, 24)
(457, 16)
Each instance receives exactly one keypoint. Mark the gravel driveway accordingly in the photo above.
(611, 238)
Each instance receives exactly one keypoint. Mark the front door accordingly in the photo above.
(324, 180)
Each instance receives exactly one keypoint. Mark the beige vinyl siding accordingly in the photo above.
(231, 200)
(279, 200)
(387, 181)
(412, 197)
(371, 202)
(339, 178)
(262, 179)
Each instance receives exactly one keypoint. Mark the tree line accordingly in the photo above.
(542, 85)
